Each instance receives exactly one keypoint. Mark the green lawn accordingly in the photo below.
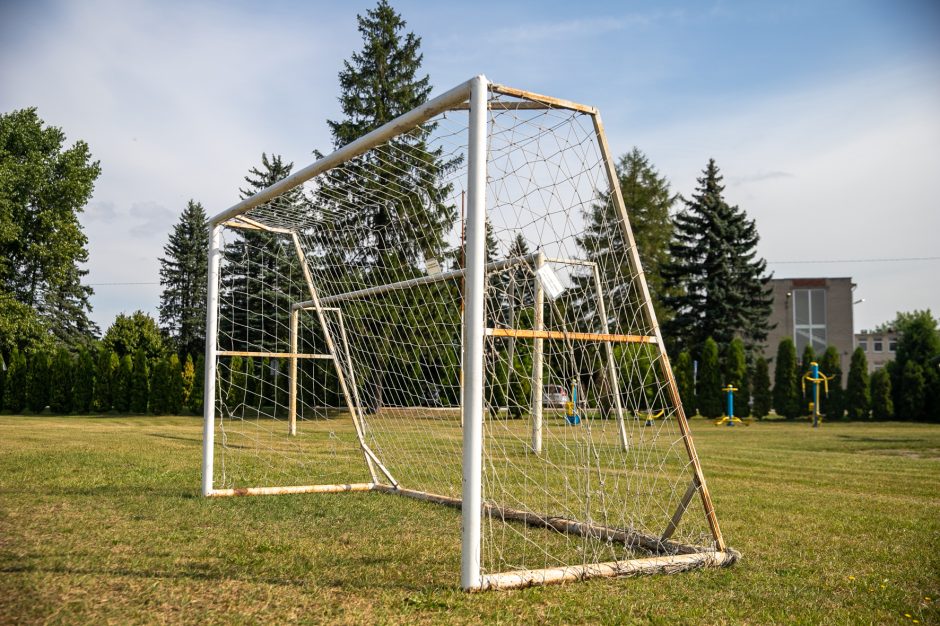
(100, 521)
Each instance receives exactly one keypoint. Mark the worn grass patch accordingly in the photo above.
(100, 521)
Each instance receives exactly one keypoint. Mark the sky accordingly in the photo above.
(824, 117)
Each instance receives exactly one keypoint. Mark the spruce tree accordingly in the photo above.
(834, 404)
(37, 383)
(83, 388)
(186, 382)
(14, 393)
(121, 387)
(140, 383)
(685, 380)
(715, 282)
(183, 277)
(882, 406)
(761, 389)
(197, 395)
(708, 392)
(857, 392)
(60, 382)
(734, 370)
(786, 383)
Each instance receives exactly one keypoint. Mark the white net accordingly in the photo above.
(583, 460)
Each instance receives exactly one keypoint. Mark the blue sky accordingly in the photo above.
(824, 116)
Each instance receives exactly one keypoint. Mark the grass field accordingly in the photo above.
(100, 521)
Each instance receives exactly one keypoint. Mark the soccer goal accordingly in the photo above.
(452, 309)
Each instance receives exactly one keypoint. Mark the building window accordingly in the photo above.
(809, 319)
(863, 344)
(892, 344)
(876, 344)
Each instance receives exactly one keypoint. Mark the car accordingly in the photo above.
(554, 396)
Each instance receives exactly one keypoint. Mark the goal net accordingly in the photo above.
(451, 308)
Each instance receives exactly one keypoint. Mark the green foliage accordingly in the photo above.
(130, 333)
(197, 395)
(719, 280)
(251, 382)
(60, 381)
(918, 343)
(709, 392)
(3, 379)
(882, 406)
(236, 379)
(187, 383)
(833, 406)
(786, 381)
(121, 387)
(520, 381)
(734, 370)
(857, 392)
(911, 404)
(140, 383)
(83, 389)
(763, 399)
(685, 380)
(106, 372)
(159, 387)
(44, 186)
(14, 392)
(183, 276)
(806, 390)
(37, 382)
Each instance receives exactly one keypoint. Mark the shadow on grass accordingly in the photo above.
(861, 439)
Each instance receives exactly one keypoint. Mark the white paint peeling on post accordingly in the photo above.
(212, 323)
(474, 323)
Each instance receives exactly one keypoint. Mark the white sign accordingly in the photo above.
(433, 266)
(550, 282)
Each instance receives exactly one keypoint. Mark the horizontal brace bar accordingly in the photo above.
(632, 567)
(249, 224)
(567, 336)
(536, 97)
(278, 491)
(273, 355)
(497, 105)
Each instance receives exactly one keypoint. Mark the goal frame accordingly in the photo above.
(471, 96)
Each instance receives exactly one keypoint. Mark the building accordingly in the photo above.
(879, 347)
(815, 311)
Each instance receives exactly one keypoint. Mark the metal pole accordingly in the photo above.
(611, 362)
(815, 369)
(537, 349)
(472, 410)
(292, 380)
(212, 327)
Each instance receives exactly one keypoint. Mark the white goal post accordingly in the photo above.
(452, 308)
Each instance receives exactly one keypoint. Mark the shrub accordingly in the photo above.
(786, 383)
(14, 393)
(83, 388)
(140, 383)
(857, 393)
(882, 406)
(122, 384)
(761, 382)
(685, 380)
(187, 380)
(174, 386)
(834, 404)
(197, 394)
(708, 392)
(735, 374)
(37, 382)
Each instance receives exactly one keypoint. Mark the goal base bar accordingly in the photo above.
(280, 491)
(611, 569)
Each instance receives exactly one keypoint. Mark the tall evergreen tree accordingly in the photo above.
(37, 382)
(786, 382)
(834, 404)
(60, 381)
(708, 392)
(882, 406)
(857, 392)
(121, 388)
(83, 389)
(14, 393)
(763, 399)
(734, 369)
(140, 383)
(720, 281)
(183, 276)
(44, 187)
(685, 380)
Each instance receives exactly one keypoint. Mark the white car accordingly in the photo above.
(554, 396)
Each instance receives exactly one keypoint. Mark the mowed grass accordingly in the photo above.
(100, 521)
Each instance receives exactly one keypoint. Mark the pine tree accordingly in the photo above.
(197, 395)
(37, 382)
(14, 393)
(786, 382)
(105, 378)
(806, 391)
(882, 406)
(708, 392)
(648, 200)
(721, 283)
(140, 383)
(183, 276)
(187, 383)
(121, 388)
(761, 385)
(857, 392)
(734, 370)
(834, 404)
(685, 380)
(83, 389)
